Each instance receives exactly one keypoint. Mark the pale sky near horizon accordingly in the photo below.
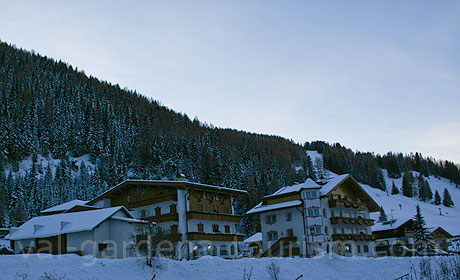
(373, 75)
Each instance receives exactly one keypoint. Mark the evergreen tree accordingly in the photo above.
(427, 190)
(447, 199)
(383, 216)
(421, 233)
(407, 188)
(437, 198)
(394, 189)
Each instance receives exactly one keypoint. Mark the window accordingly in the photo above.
(326, 230)
(223, 250)
(358, 248)
(313, 212)
(347, 248)
(334, 230)
(128, 198)
(214, 209)
(307, 195)
(290, 232)
(157, 211)
(313, 195)
(227, 229)
(143, 213)
(200, 227)
(288, 216)
(270, 219)
(215, 228)
(272, 235)
(172, 208)
(364, 231)
(174, 229)
(102, 246)
(233, 249)
(212, 250)
(366, 248)
(324, 213)
(343, 230)
(315, 230)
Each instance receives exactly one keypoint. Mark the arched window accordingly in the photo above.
(233, 249)
(212, 250)
(197, 251)
(324, 213)
(223, 250)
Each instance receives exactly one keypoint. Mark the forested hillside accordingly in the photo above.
(49, 108)
(52, 113)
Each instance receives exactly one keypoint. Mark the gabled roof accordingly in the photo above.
(52, 225)
(64, 206)
(256, 237)
(308, 184)
(259, 208)
(388, 225)
(180, 184)
(443, 231)
(334, 182)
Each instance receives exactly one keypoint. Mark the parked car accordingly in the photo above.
(401, 251)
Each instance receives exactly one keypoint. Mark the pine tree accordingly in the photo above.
(428, 191)
(407, 187)
(437, 198)
(421, 188)
(421, 233)
(447, 199)
(383, 216)
(394, 189)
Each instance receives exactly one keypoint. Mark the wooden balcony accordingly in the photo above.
(351, 221)
(170, 217)
(341, 203)
(193, 215)
(352, 237)
(214, 236)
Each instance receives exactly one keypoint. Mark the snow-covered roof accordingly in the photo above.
(308, 184)
(52, 225)
(388, 225)
(64, 206)
(262, 208)
(332, 183)
(256, 237)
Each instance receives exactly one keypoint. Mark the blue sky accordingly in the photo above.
(372, 75)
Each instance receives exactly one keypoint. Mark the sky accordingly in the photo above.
(372, 75)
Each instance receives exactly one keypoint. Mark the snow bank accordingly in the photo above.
(212, 268)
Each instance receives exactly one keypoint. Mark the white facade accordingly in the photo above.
(314, 225)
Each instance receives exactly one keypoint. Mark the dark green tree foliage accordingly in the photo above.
(424, 189)
(407, 185)
(421, 232)
(437, 198)
(393, 162)
(447, 199)
(394, 189)
(49, 108)
(383, 216)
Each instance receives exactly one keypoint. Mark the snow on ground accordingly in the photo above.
(402, 207)
(212, 268)
(25, 165)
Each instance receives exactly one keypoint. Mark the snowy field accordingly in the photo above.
(212, 268)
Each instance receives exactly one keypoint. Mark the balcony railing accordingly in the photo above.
(352, 221)
(352, 237)
(193, 215)
(170, 217)
(214, 236)
(341, 203)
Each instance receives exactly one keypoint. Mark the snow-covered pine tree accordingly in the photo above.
(437, 198)
(383, 216)
(447, 199)
(421, 233)
(394, 189)
(407, 187)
